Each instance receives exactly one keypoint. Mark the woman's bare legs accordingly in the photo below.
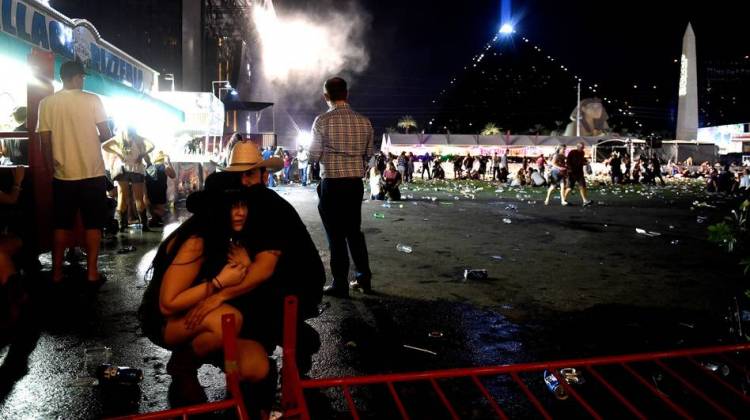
(207, 338)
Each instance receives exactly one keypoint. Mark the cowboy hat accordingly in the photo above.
(245, 156)
(219, 187)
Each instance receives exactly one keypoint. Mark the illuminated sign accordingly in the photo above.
(73, 40)
(683, 75)
(723, 136)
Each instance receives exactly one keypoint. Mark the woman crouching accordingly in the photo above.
(192, 264)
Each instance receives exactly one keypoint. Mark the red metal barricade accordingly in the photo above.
(233, 384)
(656, 384)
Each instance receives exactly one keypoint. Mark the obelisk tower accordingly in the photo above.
(687, 109)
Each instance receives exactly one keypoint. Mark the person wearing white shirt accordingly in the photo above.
(73, 123)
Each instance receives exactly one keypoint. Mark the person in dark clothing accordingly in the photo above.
(426, 159)
(615, 165)
(457, 163)
(656, 170)
(156, 188)
(437, 170)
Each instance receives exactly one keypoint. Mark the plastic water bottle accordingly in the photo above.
(404, 248)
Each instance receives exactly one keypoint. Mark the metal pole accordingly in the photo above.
(578, 111)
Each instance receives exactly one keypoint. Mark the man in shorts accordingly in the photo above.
(575, 162)
(73, 123)
(558, 175)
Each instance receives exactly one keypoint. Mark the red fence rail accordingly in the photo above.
(695, 389)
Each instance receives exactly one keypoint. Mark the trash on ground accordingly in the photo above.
(675, 242)
(126, 249)
(716, 367)
(435, 334)
(475, 274)
(571, 376)
(378, 215)
(420, 349)
(351, 344)
(507, 221)
(323, 307)
(404, 248)
(108, 374)
(686, 325)
(497, 257)
(701, 219)
(647, 233)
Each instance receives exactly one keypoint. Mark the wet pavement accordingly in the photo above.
(562, 282)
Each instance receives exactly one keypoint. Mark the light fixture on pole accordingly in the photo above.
(170, 77)
(218, 82)
(229, 89)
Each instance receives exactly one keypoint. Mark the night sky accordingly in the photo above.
(416, 46)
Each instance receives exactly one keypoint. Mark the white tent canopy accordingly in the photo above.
(453, 144)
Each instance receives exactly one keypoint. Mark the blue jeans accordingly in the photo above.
(286, 174)
(271, 181)
(303, 175)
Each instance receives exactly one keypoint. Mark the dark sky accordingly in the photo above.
(416, 46)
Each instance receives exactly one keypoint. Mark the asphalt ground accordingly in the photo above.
(562, 282)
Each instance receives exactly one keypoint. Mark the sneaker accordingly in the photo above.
(564, 203)
(546, 202)
(336, 292)
(587, 203)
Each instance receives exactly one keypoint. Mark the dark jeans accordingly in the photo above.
(340, 209)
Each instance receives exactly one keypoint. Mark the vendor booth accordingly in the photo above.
(35, 40)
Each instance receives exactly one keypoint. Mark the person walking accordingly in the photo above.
(130, 172)
(74, 124)
(343, 144)
(426, 159)
(302, 158)
(575, 162)
(558, 175)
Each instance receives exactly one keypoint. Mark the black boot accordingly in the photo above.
(124, 221)
(144, 222)
(185, 389)
(260, 396)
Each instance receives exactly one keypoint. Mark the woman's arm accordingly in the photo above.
(112, 146)
(176, 295)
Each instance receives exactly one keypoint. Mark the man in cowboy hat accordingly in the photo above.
(282, 257)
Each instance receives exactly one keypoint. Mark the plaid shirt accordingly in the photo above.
(342, 143)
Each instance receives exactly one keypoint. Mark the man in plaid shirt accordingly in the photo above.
(342, 143)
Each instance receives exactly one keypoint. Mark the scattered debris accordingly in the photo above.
(647, 233)
(404, 248)
(475, 274)
(507, 221)
(126, 249)
(420, 349)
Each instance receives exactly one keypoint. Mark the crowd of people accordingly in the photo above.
(227, 258)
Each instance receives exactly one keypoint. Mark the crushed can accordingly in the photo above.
(571, 376)
(554, 386)
(108, 374)
(475, 274)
